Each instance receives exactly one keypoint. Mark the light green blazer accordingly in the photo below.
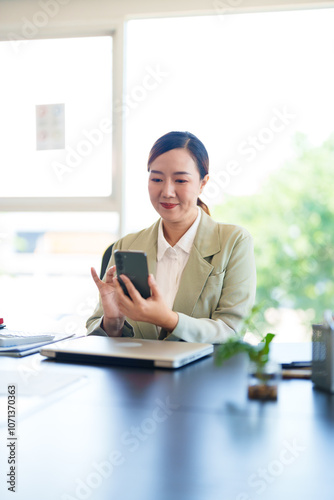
(217, 288)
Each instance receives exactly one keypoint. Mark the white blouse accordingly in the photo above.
(172, 260)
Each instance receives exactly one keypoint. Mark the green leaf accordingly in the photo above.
(259, 353)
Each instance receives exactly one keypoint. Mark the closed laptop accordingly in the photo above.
(127, 351)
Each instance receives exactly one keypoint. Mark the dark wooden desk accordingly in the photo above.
(119, 433)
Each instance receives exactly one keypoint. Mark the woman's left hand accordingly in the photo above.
(152, 310)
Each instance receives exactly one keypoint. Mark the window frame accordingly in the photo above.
(113, 202)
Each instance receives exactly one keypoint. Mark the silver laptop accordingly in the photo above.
(126, 351)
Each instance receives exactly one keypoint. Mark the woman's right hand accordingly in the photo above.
(113, 320)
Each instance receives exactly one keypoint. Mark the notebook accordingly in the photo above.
(21, 343)
(125, 351)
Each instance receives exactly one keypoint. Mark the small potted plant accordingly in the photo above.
(262, 374)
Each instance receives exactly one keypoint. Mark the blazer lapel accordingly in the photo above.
(192, 282)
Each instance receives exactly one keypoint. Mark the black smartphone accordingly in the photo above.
(133, 264)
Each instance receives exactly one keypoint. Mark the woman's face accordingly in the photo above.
(174, 186)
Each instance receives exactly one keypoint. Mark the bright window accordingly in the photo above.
(56, 118)
(257, 89)
(56, 153)
(45, 261)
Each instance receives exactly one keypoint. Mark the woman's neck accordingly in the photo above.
(173, 231)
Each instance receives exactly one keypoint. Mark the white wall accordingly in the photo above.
(85, 13)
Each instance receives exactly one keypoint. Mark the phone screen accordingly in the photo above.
(133, 264)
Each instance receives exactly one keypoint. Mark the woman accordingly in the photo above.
(205, 277)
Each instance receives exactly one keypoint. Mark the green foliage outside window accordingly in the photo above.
(292, 222)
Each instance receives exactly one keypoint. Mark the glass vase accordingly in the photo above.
(263, 381)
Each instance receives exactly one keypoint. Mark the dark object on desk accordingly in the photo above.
(323, 357)
(124, 351)
(295, 365)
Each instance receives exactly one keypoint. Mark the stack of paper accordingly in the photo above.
(18, 344)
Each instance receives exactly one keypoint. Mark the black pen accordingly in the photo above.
(297, 364)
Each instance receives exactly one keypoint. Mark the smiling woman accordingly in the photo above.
(205, 278)
(177, 177)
